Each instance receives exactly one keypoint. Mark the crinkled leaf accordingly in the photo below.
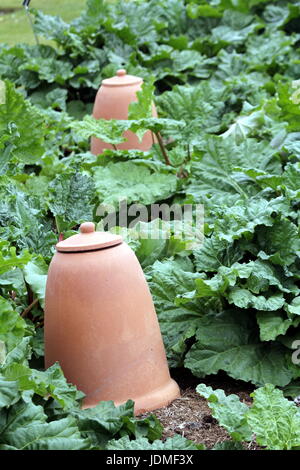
(9, 393)
(228, 445)
(199, 107)
(273, 324)
(215, 180)
(215, 253)
(172, 443)
(274, 419)
(178, 323)
(229, 411)
(50, 382)
(142, 108)
(132, 182)
(71, 199)
(24, 427)
(110, 131)
(27, 143)
(106, 420)
(20, 353)
(280, 242)
(243, 217)
(228, 341)
(12, 325)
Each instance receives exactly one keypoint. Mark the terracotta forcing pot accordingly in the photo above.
(101, 325)
(112, 101)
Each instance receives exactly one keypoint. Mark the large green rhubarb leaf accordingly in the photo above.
(178, 322)
(229, 341)
(132, 182)
(24, 427)
(106, 420)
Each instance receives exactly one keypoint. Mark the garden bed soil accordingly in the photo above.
(190, 415)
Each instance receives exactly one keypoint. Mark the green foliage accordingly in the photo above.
(141, 185)
(142, 108)
(71, 197)
(201, 107)
(35, 273)
(178, 322)
(172, 443)
(12, 326)
(272, 420)
(34, 403)
(272, 412)
(9, 259)
(110, 131)
(24, 427)
(22, 125)
(228, 445)
(224, 76)
(106, 420)
(49, 383)
(229, 411)
(229, 341)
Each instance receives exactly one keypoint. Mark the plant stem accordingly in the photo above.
(57, 225)
(27, 310)
(153, 141)
(162, 148)
(182, 173)
(29, 292)
(188, 152)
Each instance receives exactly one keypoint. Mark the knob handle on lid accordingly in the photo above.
(87, 227)
(122, 79)
(88, 239)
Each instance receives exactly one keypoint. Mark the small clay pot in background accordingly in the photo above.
(101, 325)
(112, 102)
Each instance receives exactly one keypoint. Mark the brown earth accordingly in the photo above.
(6, 11)
(190, 415)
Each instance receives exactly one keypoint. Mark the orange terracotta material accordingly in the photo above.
(112, 101)
(101, 325)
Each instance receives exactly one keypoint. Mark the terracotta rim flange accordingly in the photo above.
(159, 398)
(88, 239)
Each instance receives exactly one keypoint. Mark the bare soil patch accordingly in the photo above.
(190, 415)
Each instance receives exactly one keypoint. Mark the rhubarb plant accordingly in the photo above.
(224, 76)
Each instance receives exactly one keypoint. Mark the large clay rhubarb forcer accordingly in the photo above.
(112, 102)
(101, 325)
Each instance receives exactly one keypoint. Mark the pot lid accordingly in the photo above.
(88, 239)
(122, 79)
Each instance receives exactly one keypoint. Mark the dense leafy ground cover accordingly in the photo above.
(225, 78)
